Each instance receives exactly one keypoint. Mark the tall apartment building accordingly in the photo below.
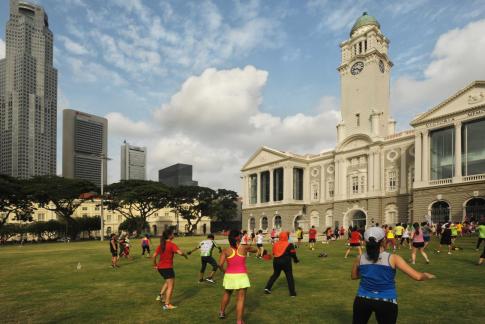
(28, 94)
(133, 162)
(177, 175)
(84, 146)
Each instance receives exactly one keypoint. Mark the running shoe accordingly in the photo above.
(159, 298)
(267, 291)
(210, 280)
(201, 281)
(222, 315)
(169, 307)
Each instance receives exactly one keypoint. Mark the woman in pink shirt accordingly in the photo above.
(418, 243)
(236, 276)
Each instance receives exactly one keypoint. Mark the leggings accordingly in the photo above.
(385, 312)
(479, 242)
(145, 248)
(282, 264)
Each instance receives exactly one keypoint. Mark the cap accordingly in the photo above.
(375, 232)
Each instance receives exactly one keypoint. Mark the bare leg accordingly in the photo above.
(211, 274)
(360, 250)
(347, 253)
(226, 298)
(424, 254)
(201, 276)
(413, 255)
(241, 296)
(163, 289)
(170, 285)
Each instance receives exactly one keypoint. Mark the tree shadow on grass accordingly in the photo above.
(188, 293)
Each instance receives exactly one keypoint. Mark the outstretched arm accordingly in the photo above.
(407, 269)
(193, 250)
(222, 260)
(355, 269)
(180, 252)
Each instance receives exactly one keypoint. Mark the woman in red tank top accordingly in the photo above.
(354, 241)
(235, 277)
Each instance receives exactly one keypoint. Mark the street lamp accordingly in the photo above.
(102, 158)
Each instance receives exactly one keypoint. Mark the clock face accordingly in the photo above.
(381, 66)
(357, 68)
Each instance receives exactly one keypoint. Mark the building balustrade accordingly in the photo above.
(475, 177)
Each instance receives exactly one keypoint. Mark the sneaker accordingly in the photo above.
(210, 280)
(169, 307)
(159, 298)
(267, 291)
(449, 253)
(222, 315)
(201, 281)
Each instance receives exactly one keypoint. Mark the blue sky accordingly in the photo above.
(208, 82)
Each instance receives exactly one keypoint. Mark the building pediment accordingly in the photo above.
(354, 142)
(264, 156)
(467, 98)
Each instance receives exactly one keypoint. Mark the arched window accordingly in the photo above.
(391, 215)
(329, 218)
(359, 219)
(296, 222)
(277, 222)
(155, 229)
(474, 209)
(252, 224)
(314, 219)
(108, 230)
(440, 212)
(264, 223)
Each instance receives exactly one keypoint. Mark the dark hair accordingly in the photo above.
(416, 228)
(165, 235)
(210, 236)
(373, 249)
(112, 235)
(424, 224)
(234, 236)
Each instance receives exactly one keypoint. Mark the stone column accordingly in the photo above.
(288, 184)
(425, 157)
(343, 178)
(323, 185)
(258, 186)
(403, 171)
(457, 173)
(417, 157)
(271, 184)
(336, 186)
(370, 175)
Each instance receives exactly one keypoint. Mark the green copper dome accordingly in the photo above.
(364, 20)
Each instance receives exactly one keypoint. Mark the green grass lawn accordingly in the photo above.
(41, 284)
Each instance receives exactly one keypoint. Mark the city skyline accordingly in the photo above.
(279, 58)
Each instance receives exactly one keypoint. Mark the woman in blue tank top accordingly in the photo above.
(376, 270)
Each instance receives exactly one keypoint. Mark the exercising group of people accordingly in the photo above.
(376, 267)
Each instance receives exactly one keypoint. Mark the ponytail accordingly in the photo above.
(373, 249)
(416, 228)
(163, 240)
(234, 237)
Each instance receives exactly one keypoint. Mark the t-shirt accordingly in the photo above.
(459, 227)
(299, 234)
(355, 237)
(259, 239)
(390, 234)
(426, 230)
(206, 247)
(398, 230)
(145, 241)
(166, 258)
(481, 231)
(454, 231)
(312, 233)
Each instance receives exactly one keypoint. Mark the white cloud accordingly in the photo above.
(457, 59)
(73, 47)
(93, 72)
(215, 122)
(2, 49)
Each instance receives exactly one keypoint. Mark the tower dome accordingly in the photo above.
(364, 20)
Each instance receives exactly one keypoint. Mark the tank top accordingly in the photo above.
(418, 238)
(236, 263)
(355, 237)
(377, 279)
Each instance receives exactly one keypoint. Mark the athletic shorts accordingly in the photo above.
(167, 273)
(426, 238)
(312, 240)
(354, 244)
(453, 237)
(259, 245)
(210, 260)
(114, 253)
(418, 244)
(398, 237)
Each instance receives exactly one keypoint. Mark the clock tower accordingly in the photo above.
(365, 77)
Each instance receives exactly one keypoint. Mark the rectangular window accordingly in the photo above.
(166, 214)
(41, 217)
(297, 183)
(473, 147)
(442, 152)
(108, 218)
(331, 189)
(355, 185)
(253, 188)
(85, 208)
(120, 218)
(264, 186)
(392, 178)
(278, 184)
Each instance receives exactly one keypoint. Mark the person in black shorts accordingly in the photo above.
(113, 247)
(206, 248)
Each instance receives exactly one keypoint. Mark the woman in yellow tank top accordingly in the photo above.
(390, 239)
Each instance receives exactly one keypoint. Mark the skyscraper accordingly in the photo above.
(28, 94)
(84, 146)
(177, 175)
(133, 162)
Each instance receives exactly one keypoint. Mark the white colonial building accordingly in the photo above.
(374, 175)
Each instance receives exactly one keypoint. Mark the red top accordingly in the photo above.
(355, 237)
(312, 233)
(166, 258)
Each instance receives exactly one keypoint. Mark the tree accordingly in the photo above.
(10, 230)
(192, 203)
(225, 206)
(137, 200)
(13, 200)
(130, 225)
(89, 224)
(60, 195)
